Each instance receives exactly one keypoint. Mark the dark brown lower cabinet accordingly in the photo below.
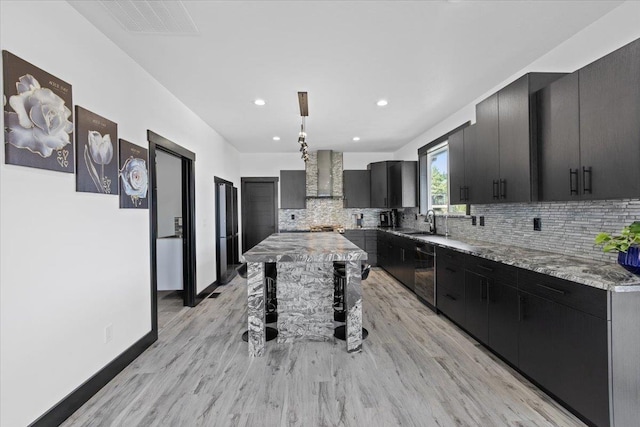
(503, 320)
(450, 290)
(476, 319)
(554, 331)
(565, 351)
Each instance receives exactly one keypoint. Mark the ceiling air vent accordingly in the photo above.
(152, 16)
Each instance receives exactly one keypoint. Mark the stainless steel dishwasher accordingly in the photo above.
(425, 275)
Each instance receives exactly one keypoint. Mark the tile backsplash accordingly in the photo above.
(567, 227)
(326, 212)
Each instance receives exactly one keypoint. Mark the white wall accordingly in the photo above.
(169, 192)
(73, 263)
(612, 31)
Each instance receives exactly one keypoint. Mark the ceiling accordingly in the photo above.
(427, 58)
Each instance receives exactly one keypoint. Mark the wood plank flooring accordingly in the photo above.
(416, 369)
(170, 304)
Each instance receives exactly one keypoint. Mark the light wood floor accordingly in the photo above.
(170, 305)
(416, 369)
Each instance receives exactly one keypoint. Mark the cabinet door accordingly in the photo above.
(409, 263)
(514, 136)
(456, 168)
(357, 188)
(450, 290)
(371, 246)
(379, 185)
(565, 351)
(485, 152)
(293, 189)
(503, 320)
(394, 184)
(609, 130)
(559, 139)
(475, 306)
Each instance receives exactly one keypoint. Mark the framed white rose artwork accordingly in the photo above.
(133, 176)
(38, 124)
(97, 153)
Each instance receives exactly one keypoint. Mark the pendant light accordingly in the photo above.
(302, 136)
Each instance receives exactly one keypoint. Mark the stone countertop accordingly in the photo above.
(305, 247)
(598, 274)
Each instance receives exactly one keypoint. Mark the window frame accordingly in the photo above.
(424, 203)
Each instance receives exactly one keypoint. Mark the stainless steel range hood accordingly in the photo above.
(324, 174)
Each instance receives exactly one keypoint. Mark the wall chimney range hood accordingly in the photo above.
(324, 175)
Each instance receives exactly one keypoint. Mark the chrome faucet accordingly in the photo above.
(446, 226)
(430, 218)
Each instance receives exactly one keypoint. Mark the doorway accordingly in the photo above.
(259, 210)
(172, 215)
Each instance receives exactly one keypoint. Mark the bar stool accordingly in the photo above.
(339, 283)
(271, 304)
(339, 286)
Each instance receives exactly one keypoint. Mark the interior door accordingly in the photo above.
(259, 210)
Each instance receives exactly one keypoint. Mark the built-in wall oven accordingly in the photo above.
(425, 279)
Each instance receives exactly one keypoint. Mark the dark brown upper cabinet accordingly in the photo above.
(357, 188)
(379, 185)
(504, 156)
(393, 184)
(610, 125)
(293, 189)
(559, 140)
(459, 163)
(485, 168)
(589, 131)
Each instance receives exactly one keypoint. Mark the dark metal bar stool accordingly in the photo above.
(271, 302)
(339, 286)
(339, 283)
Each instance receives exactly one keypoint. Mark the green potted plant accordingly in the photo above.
(627, 244)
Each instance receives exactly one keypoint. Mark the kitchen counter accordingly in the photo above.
(304, 287)
(598, 274)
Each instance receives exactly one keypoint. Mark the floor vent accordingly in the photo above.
(214, 295)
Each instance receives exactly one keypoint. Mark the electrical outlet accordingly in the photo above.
(293, 216)
(537, 224)
(108, 333)
(482, 221)
(474, 220)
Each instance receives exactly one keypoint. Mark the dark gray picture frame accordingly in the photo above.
(97, 153)
(38, 117)
(133, 176)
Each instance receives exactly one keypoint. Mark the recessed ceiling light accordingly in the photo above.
(260, 102)
(356, 138)
(276, 138)
(382, 103)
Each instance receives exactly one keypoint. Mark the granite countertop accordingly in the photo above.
(305, 247)
(598, 274)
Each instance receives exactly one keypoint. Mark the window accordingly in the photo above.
(434, 181)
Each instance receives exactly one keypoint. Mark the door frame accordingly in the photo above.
(261, 179)
(188, 158)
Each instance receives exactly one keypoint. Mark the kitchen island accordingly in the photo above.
(305, 265)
